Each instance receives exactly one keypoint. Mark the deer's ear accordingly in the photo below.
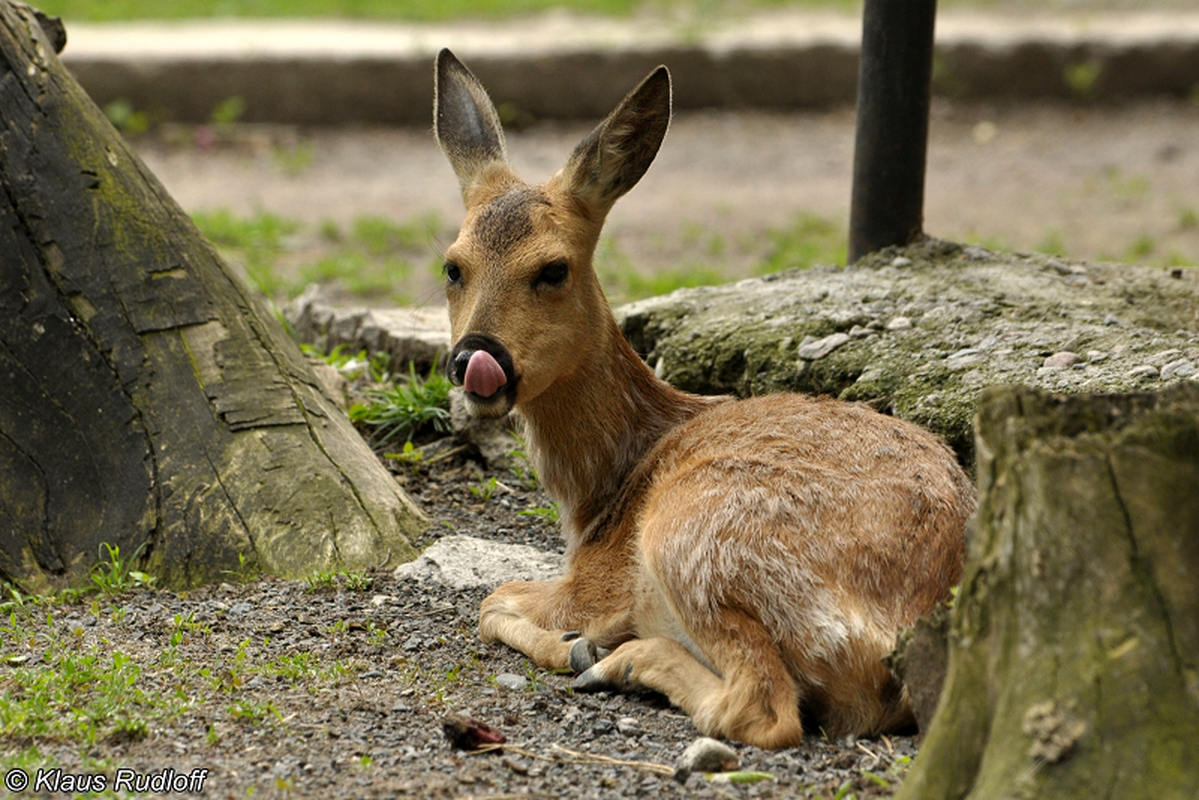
(466, 124)
(617, 153)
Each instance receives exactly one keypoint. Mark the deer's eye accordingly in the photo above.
(552, 275)
(452, 272)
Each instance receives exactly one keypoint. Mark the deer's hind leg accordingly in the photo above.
(710, 645)
(753, 699)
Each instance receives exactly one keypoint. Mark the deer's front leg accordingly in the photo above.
(528, 616)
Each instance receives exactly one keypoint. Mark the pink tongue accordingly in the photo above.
(484, 376)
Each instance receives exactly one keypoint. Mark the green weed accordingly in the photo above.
(522, 465)
(321, 581)
(408, 408)
(1082, 78)
(117, 576)
(551, 514)
(486, 490)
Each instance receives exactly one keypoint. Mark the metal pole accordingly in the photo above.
(891, 142)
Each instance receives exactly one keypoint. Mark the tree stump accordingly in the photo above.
(147, 401)
(1074, 650)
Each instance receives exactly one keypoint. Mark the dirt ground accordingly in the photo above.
(1092, 182)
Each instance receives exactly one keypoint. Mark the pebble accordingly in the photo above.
(899, 324)
(1144, 371)
(628, 726)
(819, 348)
(859, 332)
(1063, 360)
(1178, 369)
(964, 358)
(706, 755)
(1111, 319)
(901, 261)
(510, 681)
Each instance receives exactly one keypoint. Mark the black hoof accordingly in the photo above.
(590, 681)
(583, 654)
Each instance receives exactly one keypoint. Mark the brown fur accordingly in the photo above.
(745, 558)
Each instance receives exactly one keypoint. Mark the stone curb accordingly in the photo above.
(564, 67)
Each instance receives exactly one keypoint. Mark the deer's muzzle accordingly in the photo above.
(483, 367)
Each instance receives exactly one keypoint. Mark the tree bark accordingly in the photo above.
(147, 401)
(1074, 651)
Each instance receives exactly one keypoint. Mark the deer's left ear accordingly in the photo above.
(617, 153)
(466, 125)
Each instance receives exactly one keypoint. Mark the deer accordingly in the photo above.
(750, 559)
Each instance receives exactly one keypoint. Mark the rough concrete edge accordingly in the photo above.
(797, 63)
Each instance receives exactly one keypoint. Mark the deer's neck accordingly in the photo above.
(589, 431)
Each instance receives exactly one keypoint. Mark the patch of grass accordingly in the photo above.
(628, 285)
(80, 694)
(810, 240)
(1188, 219)
(1052, 244)
(256, 242)
(373, 258)
(103, 11)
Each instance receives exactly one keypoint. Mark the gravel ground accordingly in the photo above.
(298, 688)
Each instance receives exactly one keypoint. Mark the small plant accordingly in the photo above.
(551, 513)
(321, 581)
(357, 581)
(485, 490)
(1082, 78)
(245, 571)
(116, 576)
(126, 119)
(409, 455)
(522, 465)
(409, 407)
(229, 111)
(246, 710)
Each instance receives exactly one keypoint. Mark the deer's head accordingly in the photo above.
(526, 308)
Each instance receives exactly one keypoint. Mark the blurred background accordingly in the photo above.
(297, 133)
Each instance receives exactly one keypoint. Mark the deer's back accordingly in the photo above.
(813, 493)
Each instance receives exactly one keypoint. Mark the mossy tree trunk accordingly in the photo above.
(1074, 651)
(147, 401)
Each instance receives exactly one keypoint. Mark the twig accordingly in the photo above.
(588, 758)
(577, 757)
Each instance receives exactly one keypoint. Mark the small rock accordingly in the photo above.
(1178, 369)
(628, 726)
(813, 351)
(1143, 371)
(899, 324)
(1096, 355)
(510, 681)
(1164, 357)
(706, 755)
(976, 253)
(964, 358)
(1111, 319)
(901, 261)
(1062, 360)
(859, 332)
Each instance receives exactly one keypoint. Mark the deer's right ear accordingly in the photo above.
(466, 124)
